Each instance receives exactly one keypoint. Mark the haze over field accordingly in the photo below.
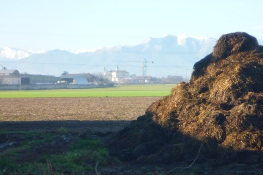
(168, 55)
(49, 37)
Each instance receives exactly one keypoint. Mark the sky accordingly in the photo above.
(91, 24)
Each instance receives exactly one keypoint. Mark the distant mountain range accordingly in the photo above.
(169, 55)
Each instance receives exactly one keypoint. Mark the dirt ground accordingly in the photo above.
(107, 108)
(86, 116)
(79, 117)
(96, 114)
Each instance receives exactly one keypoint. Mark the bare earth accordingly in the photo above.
(86, 115)
(110, 113)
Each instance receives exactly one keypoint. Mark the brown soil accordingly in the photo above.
(46, 109)
(68, 119)
(71, 113)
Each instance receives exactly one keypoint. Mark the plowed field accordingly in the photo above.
(108, 113)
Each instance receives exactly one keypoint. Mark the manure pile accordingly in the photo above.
(219, 110)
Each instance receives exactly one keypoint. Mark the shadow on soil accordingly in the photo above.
(67, 125)
(70, 147)
(151, 149)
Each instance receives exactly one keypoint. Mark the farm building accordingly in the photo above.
(88, 76)
(72, 79)
(27, 79)
(142, 79)
(9, 77)
(116, 75)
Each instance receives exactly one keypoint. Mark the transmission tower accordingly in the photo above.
(144, 68)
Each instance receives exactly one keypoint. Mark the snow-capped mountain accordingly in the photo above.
(16, 54)
(168, 55)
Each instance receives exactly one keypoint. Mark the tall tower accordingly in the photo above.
(144, 68)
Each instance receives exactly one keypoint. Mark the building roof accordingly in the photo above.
(118, 71)
(9, 72)
(78, 79)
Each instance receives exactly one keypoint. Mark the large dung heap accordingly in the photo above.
(219, 110)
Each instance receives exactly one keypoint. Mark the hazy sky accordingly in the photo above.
(89, 24)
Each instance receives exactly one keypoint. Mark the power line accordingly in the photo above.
(96, 65)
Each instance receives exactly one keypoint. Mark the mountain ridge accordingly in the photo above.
(169, 55)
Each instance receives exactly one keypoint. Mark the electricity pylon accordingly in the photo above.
(144, 68)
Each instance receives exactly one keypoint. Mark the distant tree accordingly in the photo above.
(65, 73)
(174, 79)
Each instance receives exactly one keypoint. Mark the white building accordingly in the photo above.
(10, 77)
(116, 75)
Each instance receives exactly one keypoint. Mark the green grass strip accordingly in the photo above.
(149, 90)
